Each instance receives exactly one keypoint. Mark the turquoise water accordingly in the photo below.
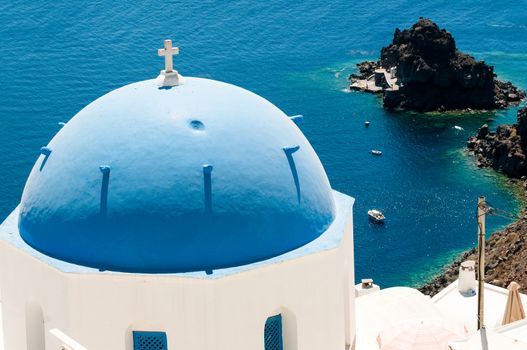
(55, 59)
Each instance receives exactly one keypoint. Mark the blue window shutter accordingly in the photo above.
(273, 333)
(150, 340)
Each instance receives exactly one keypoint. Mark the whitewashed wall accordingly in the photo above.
(100, 310)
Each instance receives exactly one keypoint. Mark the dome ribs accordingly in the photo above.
(207, 185)
(289, 154)
(45, 151)
(105, 170)
(297, 119)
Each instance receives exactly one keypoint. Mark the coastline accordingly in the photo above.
(505, 253)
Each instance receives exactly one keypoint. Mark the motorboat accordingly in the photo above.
(376, 152)
(376, 216)
(366, 123)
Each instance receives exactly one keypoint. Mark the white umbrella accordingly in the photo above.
(514, 309)
(421, 334)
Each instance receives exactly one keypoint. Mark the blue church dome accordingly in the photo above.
(196, 177)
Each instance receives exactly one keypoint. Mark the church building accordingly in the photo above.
(178, 213)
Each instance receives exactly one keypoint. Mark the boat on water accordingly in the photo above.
(376, 216)
(376, 152)
(366, 123)
(457, 127)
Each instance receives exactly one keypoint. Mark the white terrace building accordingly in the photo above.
(178, 213)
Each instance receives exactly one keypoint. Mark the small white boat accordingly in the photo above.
(376, 152)
(366, 123)
(457, 127)
(375, 215)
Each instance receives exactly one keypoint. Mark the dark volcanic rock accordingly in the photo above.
(505, 93)
(432, 74)
(366, 68)
(503, 150)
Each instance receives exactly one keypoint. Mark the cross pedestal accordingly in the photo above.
(168, 76)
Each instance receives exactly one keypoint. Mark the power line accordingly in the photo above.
(490, 209)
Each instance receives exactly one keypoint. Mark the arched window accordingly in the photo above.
(150, 340)
(273, 333)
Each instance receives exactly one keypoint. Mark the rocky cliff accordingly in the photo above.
(505, 259)
(505, 149)
(432, 74)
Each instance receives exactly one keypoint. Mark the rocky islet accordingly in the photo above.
(433, 75)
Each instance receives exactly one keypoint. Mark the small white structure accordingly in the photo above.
(393, 72)
(366, 286)
(178, 216)
(467, 278)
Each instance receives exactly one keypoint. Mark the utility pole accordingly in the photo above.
(482, 208)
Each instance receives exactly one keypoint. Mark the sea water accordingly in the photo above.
(57, 57)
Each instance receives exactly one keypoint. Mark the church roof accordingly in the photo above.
(194, 177)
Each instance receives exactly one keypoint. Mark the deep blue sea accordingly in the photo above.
(56, 57)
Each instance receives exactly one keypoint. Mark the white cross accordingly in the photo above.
(168, 52)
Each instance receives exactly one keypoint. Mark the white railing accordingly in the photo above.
(67, 343)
